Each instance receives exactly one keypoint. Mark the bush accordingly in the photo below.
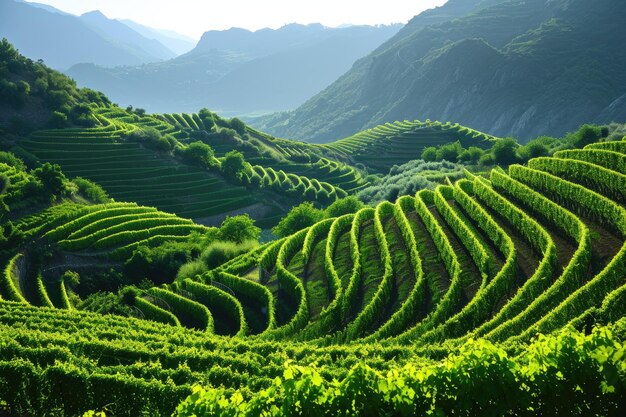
(52, 178)
(91, 190)
(152, 138)
(449, 152)
(585, 135)
(343, 206)
(234, 164)
(158, 264)
(505, 151)
(239, 229)
(108, 303)
(298, 218)
(429, 154)
(238, 126)
(217, 253)
(191, 269)
(200, 153)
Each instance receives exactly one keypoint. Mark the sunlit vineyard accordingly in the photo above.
(386, 308)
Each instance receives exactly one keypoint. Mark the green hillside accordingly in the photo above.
(499, 258)
(511, 68)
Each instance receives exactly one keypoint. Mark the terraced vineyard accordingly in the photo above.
(500, 259)
(131, 173)
(396, 143)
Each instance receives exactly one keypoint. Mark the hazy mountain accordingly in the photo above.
(508, 67)
(62, 40)
(175, 42)
(118, 32)
(238, 71)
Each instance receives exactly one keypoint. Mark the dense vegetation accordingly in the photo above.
(485, 279)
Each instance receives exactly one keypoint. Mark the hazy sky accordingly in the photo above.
(194, 17)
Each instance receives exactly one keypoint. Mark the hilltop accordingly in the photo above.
(511, 68)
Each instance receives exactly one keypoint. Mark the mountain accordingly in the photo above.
(120, 33)
(507, 67)
(63, 40)
(238, 71)
(179, 44)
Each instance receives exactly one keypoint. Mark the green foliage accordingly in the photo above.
(218, 253)
(586, 370)
(200, 154)
(300, 217)
(234, 165)
(239, 229)
(152, 138)
(505, 151)
(429, 154)
(91, 190)
(348, 205)
(52, 178)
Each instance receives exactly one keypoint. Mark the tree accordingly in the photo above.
(449, 152)
(152, 138)
(234, 164)
(585, 135)
(207, 119)
(52, 178)
(239, 229)
(200, 153)
(504, 151)
(343, 206)
(238, 125)
(429, 154)
(298, 218)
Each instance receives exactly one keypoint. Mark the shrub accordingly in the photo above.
(152, 138)
(91, 190)
(234, 164)
(343, 206)
(429, 154)
(200, 153)
(298, 218)
(504, 151)
(449, 152)
(239, 229)
(191, 269)
(217, 253)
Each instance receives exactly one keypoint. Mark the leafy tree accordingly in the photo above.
(239, 229)
(429, 154)
(158, 264)
(343, 206)
(238, 125)
(200, 153)
(52, 178)
(585, 135)
(532, 149)
(152, 138)
(234, 164)
(449, 152)
(298, 218)
(471, 155)
(207, 118)
(505, 151)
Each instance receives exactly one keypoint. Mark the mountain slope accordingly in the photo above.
(238, 71)
(176, 42)
(63, 40)
(147, 49)
(509, 68)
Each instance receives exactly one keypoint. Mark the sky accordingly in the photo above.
(194, 17)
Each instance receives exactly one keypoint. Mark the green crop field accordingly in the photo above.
(502, 258)
(412, 269)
